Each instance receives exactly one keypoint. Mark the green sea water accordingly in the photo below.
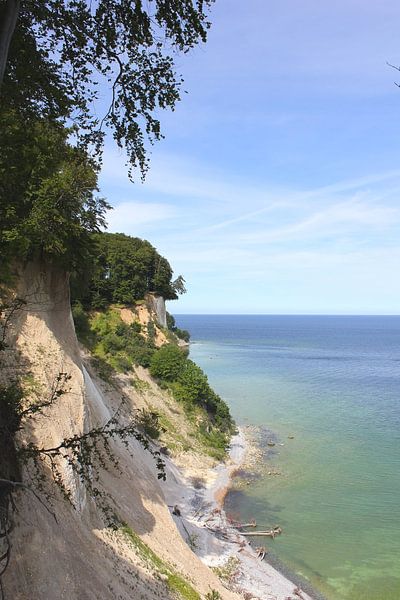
(333, 385)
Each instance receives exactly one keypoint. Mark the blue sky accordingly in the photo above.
(277, 187)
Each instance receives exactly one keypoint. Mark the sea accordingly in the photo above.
(325, 390)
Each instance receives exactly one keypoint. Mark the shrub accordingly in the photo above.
(182, 334)
(80, 319)
(112, 342)
(194, 383)
(167, 363)
(122, 362)
(151, 332)
(213, 595)
(192, 387)
(149, 422)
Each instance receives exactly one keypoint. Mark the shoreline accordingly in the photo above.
(203, 523)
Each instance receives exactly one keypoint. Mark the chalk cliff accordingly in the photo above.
(73, 554)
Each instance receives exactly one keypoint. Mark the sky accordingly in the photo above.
(276, 189)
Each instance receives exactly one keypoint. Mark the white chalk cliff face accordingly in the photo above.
(77, 556)
(157, 305)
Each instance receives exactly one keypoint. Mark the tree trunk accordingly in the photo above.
(9, 10)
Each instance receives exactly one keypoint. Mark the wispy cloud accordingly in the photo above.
(339, 219)
(130, 215)
(322, 194)
(292, 242)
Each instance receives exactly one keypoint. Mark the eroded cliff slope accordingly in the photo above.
(65, 549)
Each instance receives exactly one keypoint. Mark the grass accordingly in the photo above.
(116, 347)
(175, 582)
(140, 386)
(227, 571)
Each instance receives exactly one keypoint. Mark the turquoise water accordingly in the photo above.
(333, 383)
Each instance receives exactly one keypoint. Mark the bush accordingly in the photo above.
(121, 346)
(112, 342)
(142, 355)
(122, 362)
(182, 334)
(167, 363)
(194, 383)
(149, 422)
(192, 387)
(81, 320)
(151, 332)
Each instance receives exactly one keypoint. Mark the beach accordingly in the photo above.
(195, 498)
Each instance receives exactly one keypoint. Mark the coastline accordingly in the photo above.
(203, 523)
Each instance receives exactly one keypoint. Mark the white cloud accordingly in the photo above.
(345, 217)
(299, 244)
(125, 217)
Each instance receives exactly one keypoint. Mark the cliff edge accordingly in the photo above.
(63, 548)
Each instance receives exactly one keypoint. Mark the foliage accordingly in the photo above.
(179, 285)
(7, 311)
(149, 423)
(151, 332)
(176, 583)
(62, 50)
(48, 205)
(119, 346)
(167, 363)
(82, 452)
(189, 385)
(192, 387)
(213, 595)
(228, 570)
(124, 268)
(11, 412)
(182, 334)
(81, 320)
(111, 341)
(194, 384)
(11, 397)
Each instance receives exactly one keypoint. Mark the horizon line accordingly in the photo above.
(219, 314)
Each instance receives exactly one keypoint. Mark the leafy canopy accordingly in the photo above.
(48, 205)
(124, 269)
(63, 50)
(189, 384)
(183, 334)
(167, 363)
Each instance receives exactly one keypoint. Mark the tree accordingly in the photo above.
(161, 282)
(178, 285)
(123, 269)
(9, 13)
(48, 206)
(54, 54)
